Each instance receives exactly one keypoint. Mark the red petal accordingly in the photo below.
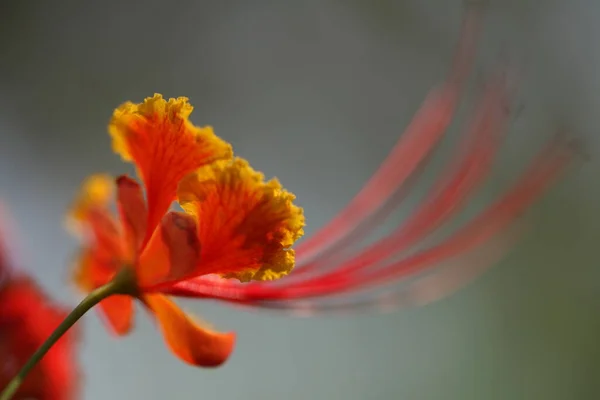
(172, 253)
(133, 212)
(118, 311)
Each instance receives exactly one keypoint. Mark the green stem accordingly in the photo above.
(121, 284)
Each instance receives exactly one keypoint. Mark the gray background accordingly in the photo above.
(315, 92)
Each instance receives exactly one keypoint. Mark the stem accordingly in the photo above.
(121, 284)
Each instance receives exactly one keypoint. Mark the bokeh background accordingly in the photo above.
(315, 92)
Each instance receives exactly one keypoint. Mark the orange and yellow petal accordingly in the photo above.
(92, 269)
(188, 338)
(246, 226)
(165, 146)
(102, 236)
(172, 253)
(96, 193)
(118, 313)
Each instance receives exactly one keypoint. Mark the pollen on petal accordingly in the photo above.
(158, 138)
(246, 226)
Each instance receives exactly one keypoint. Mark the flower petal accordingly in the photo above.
(90, 218)
(118, 312)
(245, 225)
(165, 146)
(189, 339)
(95, 194)
(133, 212)
(92, 270)
(104, 254)
(172, 252)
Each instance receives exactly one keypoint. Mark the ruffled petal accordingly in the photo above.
(165, 146)
(172, 252)
(188, 338)
(246, 225)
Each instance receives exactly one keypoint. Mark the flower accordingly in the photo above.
(339, 269)
(27, 318)
(328, 283)
(235, 224)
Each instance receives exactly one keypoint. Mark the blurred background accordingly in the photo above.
(315, 92)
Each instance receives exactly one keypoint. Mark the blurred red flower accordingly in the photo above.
(27, 317)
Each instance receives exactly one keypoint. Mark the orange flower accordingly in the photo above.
(340, 268)
(27, 318)
(238, 225)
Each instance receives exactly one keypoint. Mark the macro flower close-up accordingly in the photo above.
(397, 201)
(235, 224)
